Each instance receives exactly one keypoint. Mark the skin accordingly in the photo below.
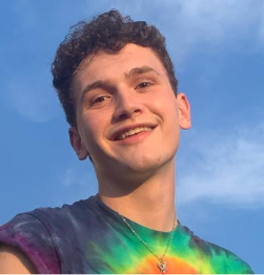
(136, 175)
(12, 261)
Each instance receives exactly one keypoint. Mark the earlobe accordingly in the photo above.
(76, 143)
(184, 111)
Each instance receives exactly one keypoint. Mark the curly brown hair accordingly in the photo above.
(109, 33)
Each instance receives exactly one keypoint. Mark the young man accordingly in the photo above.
(116, 83)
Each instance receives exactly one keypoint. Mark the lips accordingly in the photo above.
(123, 133)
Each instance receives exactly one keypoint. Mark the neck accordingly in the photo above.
(151, 203)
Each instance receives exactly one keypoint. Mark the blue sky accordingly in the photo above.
(217, 47)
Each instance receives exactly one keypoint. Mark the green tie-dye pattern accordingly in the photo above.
(122, 252)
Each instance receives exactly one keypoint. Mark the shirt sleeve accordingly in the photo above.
(29, 234)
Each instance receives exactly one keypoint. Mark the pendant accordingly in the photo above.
(162, 266)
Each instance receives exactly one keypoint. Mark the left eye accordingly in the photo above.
(144, 84)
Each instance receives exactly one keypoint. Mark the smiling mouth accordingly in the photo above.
(133, 132)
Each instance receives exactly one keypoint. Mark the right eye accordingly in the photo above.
(100, 99)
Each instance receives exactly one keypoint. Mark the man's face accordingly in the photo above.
(127, 114)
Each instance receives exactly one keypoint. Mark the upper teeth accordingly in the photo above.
(134, 131)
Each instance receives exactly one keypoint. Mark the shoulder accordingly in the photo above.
(42, 223)
(219, 259)
(44, 234)
(53, 218)
(26, 237)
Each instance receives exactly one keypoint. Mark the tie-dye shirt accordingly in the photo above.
(89, 237)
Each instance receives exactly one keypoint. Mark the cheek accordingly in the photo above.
(170, 117)
(94, 127)
(166, 106)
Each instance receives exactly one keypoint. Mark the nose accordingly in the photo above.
(127, 106)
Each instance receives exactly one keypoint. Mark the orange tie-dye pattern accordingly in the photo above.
(173, 265)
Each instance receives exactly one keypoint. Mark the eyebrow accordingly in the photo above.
(140, 70)
(106, 85)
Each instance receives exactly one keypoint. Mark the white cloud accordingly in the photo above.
(78, 182)
(196, 25)
(218, 19)
(71, 177)
(228, 168)
(80, 176)
(211, 26)
(261, 30)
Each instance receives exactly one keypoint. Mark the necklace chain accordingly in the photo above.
(162, 263)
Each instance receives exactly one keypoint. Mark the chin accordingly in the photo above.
(146, 164)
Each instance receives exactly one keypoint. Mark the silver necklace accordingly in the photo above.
(162, 263)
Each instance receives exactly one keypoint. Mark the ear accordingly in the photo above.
(76, 143)
(184, 111)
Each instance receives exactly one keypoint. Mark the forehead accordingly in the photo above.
(111, 67)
